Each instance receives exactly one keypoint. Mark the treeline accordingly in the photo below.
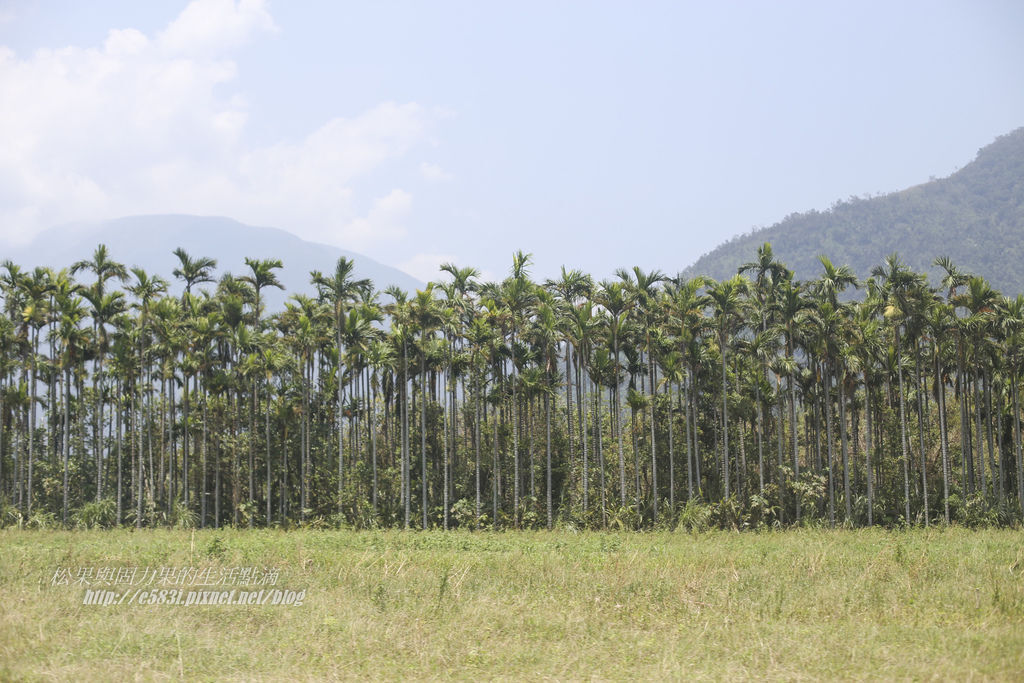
(640, 401)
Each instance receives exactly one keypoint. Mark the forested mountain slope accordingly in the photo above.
(975, 216)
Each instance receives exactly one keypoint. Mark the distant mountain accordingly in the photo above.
(148, 241)
(975, 216)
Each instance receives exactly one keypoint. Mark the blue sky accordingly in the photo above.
(595, 135)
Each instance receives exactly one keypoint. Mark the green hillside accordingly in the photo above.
(975, 216)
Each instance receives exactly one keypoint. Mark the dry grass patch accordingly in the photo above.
(803, 604)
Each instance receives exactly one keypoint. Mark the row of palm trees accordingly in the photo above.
(638, 401)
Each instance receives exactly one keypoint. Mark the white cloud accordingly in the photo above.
(384, 222)
(150, 124)
(426, 267)
(434, 173)
(212, 26)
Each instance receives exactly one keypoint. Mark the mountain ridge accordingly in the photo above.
(975, 216)
(148, 241)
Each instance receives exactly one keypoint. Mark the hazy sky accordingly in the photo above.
(596, 135)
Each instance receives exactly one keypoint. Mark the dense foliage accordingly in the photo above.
(976, 214)
(634, 402)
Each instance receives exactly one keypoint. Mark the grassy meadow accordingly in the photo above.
(801, 604)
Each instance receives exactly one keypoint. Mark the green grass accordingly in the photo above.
(803, 604)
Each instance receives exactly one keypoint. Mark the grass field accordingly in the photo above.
(801, 604)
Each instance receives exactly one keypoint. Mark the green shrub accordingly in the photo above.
(695, 516)
(100, 514)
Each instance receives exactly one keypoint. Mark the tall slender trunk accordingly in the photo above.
(760, 444)
(618, 422)
(120, 478)
(547, 427)
(406, 465)
(251, 503)
(921, 390)
(3, 387)
(636, 461)
(495, 468)
(966, 460)
(147, 418)
(1016, 441)
(654, 450)
(97, 427)
(515, 434)
(529, 447)
(186, 442)
(600, 456)
(867, 451)
(725, 421)
(476, 428)
(161, 486)
(689, 448)
(341, 407)
(67, 444)
(445, 413)
(998, 445)
(826, 381)
(782, 445)
(696, 432)
(993, 465)
(32, 420)
(266, 437)
(980, 434)
(793, 431)
(203, 493)
(218, 456)
(423, 431)
(841, 396)
(581, 413)
(137, 450)
(373, 439)
(944, 438)
(903, 435)
(669, 390)
(568, 406)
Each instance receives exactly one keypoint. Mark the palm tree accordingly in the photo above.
(399, 311)
(580, 328)
(341, 290)
(104, 308)
(34, 316)
(727, 302)
(834, 280)
(645, 292)
(380, 356)
(193, 271)
(73, 341)
(769, 274)
(612, 297)
(794, 311)
(481, 336)
(146, 289)
(571, 286)
(866, 345)
(1012, 324)
(260, 277)
(546, 331)
(980, 300)
(517, 296)
(425, 315)
(897, 283)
